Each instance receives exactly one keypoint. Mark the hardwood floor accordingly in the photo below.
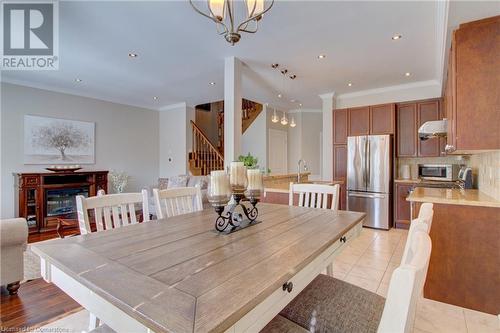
(36, 304)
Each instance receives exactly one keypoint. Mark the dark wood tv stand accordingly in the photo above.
(44, 197)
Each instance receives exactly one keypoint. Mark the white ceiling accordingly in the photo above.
(180, 51)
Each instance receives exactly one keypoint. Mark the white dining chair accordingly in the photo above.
(315, 195)
(177, 201)
(111, 210)
(331, 305)
(422, 223)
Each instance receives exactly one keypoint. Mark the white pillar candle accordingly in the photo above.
(218, 183)
(238, 175)
(254, 179)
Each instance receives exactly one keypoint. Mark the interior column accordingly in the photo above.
(327, 153)
(232, 109)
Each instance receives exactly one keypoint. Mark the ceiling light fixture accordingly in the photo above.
(280, 95)
(284, 120)
(78, 80)
(292, 123)
(133, 55)
(155, 98)
(275, 117)
(222, 13)
(212, 83)
(407, 74)
(396, 37)
(349, 84)
(322, 56)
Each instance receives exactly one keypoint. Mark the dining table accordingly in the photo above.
(180, 275)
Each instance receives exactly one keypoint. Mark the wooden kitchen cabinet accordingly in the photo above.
(382, 119)
(340, 126)
(428, 111)
(340, 162)
(402, 211)
(359, 121)
(471, 93)
(406, 130)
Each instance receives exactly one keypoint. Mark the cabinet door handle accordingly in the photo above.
(288, 286)
(343, 239)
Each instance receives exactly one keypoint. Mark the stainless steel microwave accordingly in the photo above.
(443, 172)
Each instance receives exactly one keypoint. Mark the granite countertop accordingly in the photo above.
(407, 181)
(284, 188)
(452, 197)
(285, 175)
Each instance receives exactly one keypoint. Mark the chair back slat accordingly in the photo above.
(177, 201)
(405, 288)
(110, 211)
(422, 223)
(314, 195)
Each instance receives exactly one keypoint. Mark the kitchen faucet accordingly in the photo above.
(298, 168)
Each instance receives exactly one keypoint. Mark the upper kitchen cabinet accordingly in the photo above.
(410, 116)
(428, 111)
(382, 119)
(340, 126)
(359, 121)
(471, 93)
(407, 130)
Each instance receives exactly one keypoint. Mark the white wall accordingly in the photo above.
(312, 123)
(254, 140)
(175, 139)
(126, 137)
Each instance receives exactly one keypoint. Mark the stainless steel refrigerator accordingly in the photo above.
(369, 171)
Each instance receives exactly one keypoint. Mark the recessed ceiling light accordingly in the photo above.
(349, 84)
(155, 98)
(78, 80)
(133, 55)
(280, 95)
(322, 56)
(300, 104)
(212, 83)
(407, 74)
(396, 37)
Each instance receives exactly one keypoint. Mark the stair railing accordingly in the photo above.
(206, 156)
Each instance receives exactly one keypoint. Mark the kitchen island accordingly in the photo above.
(464, 268)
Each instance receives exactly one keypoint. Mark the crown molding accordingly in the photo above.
(442, 10)
(329, 95)
(305, 111)
(404, 86)
(53, 89)
(173, 106)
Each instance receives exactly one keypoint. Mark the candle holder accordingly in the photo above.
(238, 216)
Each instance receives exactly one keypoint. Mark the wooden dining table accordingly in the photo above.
(180, 275)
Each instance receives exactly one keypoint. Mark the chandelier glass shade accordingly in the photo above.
(222, 13)
(284, 120)
(292, 122)
(275, 117)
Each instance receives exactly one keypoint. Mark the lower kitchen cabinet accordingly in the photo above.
(402, 214)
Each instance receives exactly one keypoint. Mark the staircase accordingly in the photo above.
(204, 157)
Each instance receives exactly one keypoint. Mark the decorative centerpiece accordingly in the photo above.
(240, 185)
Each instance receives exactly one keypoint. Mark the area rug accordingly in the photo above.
(31, 265)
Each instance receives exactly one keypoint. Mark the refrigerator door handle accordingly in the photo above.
(368, 162)
(365, 174)
(366, 195)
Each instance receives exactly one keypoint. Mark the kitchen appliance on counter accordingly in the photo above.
(465, 178)
(439, 172)
(369, 172)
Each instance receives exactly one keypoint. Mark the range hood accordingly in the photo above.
(433, 129)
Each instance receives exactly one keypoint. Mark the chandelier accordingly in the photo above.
(223, 14)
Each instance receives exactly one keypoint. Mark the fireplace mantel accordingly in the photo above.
(46, 196)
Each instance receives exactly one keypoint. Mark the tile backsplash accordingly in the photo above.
(486, 170)
(414, 162)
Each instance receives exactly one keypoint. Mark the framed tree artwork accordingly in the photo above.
(58, 141)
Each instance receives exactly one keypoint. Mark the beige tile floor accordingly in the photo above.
(368, 262)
